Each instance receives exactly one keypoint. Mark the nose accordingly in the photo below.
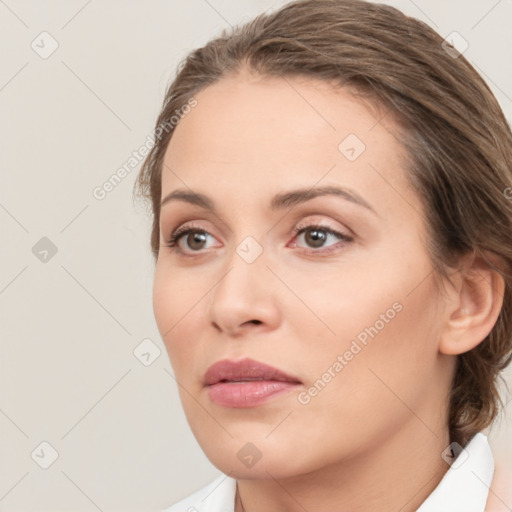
(245, 299)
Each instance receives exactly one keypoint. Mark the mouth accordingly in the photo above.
(246, 383)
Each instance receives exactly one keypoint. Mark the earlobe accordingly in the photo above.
(473, 305)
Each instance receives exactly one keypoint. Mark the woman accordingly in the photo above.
(332, 229)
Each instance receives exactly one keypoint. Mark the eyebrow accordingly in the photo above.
(279, 201)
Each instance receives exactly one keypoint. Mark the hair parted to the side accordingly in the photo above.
(458, 142)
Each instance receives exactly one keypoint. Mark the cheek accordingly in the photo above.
(382, 323)
(173, 306)
(358, 402)
(384, 355)
(163, 303)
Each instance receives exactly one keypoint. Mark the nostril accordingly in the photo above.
(257, 322)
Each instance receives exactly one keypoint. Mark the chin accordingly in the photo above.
(244, 459)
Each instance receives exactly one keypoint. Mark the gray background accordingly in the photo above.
(70, 324)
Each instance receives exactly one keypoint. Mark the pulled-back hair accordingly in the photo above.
(457, 139)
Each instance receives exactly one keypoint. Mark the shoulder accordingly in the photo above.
(217, 496)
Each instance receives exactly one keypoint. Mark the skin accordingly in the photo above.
(372, 438)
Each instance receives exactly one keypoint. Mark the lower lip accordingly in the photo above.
(248, 393)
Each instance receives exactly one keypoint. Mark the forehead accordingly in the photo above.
(250, 133)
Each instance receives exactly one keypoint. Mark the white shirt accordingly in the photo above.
(464, 487)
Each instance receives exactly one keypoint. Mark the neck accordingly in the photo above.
(398, 473)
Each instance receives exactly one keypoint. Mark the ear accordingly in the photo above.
(473, 304)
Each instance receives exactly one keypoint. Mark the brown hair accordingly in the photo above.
(458, 142)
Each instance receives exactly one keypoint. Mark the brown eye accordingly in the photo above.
(195, 240)
(315, 237)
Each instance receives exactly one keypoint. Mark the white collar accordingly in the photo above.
(464, 487)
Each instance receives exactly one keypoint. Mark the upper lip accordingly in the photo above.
(244, 370)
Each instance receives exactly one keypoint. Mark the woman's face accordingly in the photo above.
(350, 317)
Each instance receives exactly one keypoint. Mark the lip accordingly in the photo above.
(246, 383)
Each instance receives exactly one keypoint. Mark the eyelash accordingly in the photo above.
(173, 240)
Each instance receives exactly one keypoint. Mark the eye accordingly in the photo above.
(315, 235)
(195, 238)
